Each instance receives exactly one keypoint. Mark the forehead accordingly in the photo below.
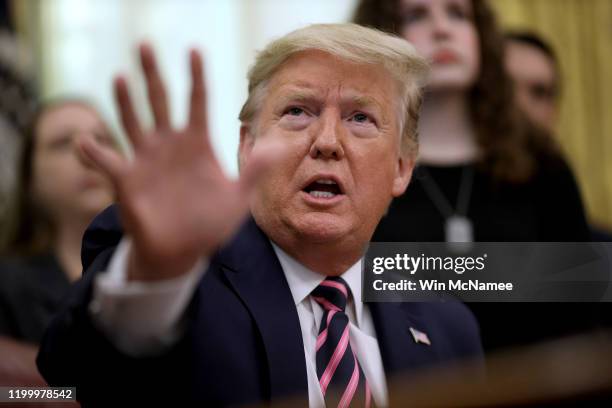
(72, 113)
(316, 73)
(411, 3)
(526, 61)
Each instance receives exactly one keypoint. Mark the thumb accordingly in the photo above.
(109, 161)
(265, 154)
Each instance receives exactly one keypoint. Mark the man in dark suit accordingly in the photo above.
(182, 298)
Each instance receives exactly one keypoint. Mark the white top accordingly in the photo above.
(143, 318)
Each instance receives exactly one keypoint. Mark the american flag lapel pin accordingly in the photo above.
(419, 336)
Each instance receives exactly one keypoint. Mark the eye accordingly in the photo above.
(457, 12)
(294, 111)
(296, 117)
(60, 143)
(413, 15)
(542, 92)
(360, 117)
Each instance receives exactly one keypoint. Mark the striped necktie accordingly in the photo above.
(340, 376)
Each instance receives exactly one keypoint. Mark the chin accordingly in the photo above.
(95, 203)
(445, 81)
(321, 227)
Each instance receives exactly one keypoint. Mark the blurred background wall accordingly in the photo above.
(78, 45)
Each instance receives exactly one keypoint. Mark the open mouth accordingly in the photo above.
(323, 188)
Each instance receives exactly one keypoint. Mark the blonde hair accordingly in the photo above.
(356, 44)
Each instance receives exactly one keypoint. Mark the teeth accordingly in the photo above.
(322, 194)
(326, 181)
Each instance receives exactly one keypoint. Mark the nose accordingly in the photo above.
(441, 24)
(327, 142)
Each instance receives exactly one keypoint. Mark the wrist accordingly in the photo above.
(150, 268)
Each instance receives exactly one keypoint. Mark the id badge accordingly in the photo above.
(459, 229)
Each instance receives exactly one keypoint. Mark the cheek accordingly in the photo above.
(418, 38)
(542, 112)
(54, 174)
(374, 180)
(523, 98)
(549, 110)
(47, 191)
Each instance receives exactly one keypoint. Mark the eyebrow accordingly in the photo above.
(306, 95)
(297, 96)
(364, 101)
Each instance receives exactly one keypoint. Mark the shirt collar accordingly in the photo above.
(302, 280)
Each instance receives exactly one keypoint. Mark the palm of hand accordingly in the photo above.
(175, 201)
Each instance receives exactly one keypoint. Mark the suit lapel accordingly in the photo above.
(398, 348)
(253, 270)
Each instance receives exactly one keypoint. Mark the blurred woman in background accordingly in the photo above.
(58, 193)
(485, 173)
(535, 69)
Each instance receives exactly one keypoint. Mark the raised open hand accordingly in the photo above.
(175, 201)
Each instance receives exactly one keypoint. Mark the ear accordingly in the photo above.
(403, 174)
(247, 140)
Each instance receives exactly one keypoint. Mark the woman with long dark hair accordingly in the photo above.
(475, 145)
(485, 173)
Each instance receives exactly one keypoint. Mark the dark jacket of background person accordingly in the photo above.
(523, 188)
(243, 341)
(31, 292)
(547, 208)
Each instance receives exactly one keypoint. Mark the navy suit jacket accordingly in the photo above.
(242, 341)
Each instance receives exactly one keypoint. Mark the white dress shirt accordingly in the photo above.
(143, 318)
(362, 333)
